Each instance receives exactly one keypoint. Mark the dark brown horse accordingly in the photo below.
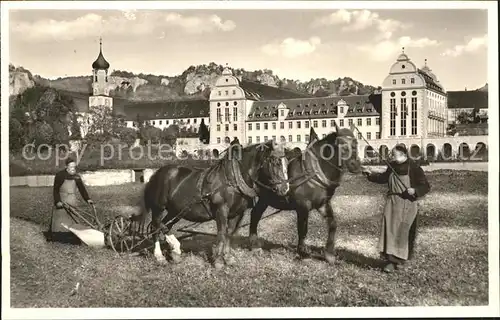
(222, 192)
(314, 176)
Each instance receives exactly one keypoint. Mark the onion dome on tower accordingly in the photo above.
(100, 63)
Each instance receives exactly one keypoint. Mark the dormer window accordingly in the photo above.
(314, 105)
(299, 113)
(323, 104)
(315, 112)
(250, 116)
(332, 111)
(324, 112)
(307, 106)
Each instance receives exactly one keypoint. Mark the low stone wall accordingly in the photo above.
(91, 178)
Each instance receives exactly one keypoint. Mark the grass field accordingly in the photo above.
(450, 265)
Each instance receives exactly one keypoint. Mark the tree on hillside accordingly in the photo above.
(464, 117)
(103, 125)
(76, 133)
(16, 133)
(204, 133)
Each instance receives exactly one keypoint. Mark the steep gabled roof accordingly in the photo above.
(314, 108)
(467, 99)
(167, 109)
(430, 83)
(258, 92)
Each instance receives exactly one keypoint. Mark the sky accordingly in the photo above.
(295, 44)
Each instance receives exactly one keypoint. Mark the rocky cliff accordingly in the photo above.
(195, 82)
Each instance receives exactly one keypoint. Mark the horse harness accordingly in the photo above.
(313, 172)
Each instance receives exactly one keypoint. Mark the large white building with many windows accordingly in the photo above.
(411, 108)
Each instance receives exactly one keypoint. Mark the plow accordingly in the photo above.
(124, 234)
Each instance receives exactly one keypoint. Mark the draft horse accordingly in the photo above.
(222, 192)
(314, 176)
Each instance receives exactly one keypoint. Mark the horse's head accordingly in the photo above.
(347, 145)
(348, 148)
(267, 165)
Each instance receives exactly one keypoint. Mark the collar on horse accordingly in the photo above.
(313, 172)
(235, 178)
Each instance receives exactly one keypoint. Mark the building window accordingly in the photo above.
(403, 114)
(218, 139)
(219, 115)
(323, 123)
(414, 116)
(412, 80)
(403, 81)
(332, 123)
(282, 112)
(298, 124)
(234, 91)
(159, 122)
(227, 127)
(219, 93)
(257, 138)
(194, 120)
(368, 135)
(360, 136)
(227, 92)
(235, 114)
(290, 125)
(377, 135)
(368, 121)
(153, 122)
(307, 138)
(290, 138)
(393, 117)
(394, 81)
(360, 122)
(341, 109)
(341, 122)
(377, 121)
(282, 125)
(257, 126)
(227, 116)
(188, 121)
(249, 140)
(274, 138)
(350, 122)
(265, 139)
(249, 127)
(306, 124)
(266, 126)
(315, 123)
(235, 127)
(298, 138)
(274, 125)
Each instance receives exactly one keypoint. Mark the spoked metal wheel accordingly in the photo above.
(121, 237)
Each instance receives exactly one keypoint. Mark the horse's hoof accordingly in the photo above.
(229, 260)
(176, 258)
(161, 260)
(218, 265)
(330, 258)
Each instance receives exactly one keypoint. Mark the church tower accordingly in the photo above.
(100, 88)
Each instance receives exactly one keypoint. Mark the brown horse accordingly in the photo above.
(313, 175)
(222, 192)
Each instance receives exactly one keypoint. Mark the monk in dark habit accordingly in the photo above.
(67, 183)
(399, 223)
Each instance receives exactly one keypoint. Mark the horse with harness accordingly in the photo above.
(222, 193)
(314, 176)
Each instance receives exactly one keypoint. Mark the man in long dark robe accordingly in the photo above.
(399, 223)
(66, 184)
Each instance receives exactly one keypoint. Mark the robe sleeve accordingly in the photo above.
(380, 178)
(58, 182)
(81, 188)
(419, 182)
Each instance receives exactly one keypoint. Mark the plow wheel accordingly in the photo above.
(121, 236)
